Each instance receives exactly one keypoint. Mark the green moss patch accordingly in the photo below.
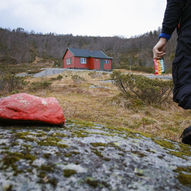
(94, 183)
(45, 174)
(62, 135)
(184, 179)
(10, 159)
(81, 123)
(98, 144)
(138, 153)
(79, 134)
(46, 155)
(47, 168)
(52, 141)
(182, 151)
(164, 143)
(72, 153)
(24, 136)
(99, 154)
(183, 169)
(69, 172)
(186, 149)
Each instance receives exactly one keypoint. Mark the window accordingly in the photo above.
(83, 60)
(106, 61)
(68, 61)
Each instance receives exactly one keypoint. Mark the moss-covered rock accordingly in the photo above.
(87, 156)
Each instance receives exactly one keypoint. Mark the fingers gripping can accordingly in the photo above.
(159, 66)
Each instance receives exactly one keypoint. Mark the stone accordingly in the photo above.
(31, 109)
(85, 156)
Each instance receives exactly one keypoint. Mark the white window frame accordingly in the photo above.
(106, 61)
(83, 61)
(68, 61)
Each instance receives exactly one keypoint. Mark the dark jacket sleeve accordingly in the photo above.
(172, 15)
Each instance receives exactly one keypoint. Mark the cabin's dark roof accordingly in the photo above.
(88, 53)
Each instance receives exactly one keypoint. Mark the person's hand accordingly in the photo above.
(159, 48)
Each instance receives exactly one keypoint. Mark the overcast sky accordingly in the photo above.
(83, 17)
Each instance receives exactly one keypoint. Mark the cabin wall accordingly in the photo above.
(109, 65)
(77, 63)
(68, 55)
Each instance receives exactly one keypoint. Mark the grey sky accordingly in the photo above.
(83, 17)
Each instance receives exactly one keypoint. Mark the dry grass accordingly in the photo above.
(94, 100)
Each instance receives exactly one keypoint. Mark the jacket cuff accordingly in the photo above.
(164, 35)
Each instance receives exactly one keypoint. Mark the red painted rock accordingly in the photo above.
(24, 107)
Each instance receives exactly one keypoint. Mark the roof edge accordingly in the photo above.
(69, 49)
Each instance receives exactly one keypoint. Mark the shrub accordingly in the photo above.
(34, 86)
(57, 63)
(8, 60)
(59, 77)
(95, 74)
(149, 91)
(77, 79)
(142, 69)
(11, 83)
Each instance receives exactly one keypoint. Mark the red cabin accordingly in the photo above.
(86, 59)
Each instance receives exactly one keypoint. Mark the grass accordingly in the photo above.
(103, 105)
(34, 67)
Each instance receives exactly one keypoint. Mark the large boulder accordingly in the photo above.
(28, 108)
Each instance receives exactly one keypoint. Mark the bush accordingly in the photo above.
(10, 83)
(149, 91)
(34, 86)
(94, 74)
(59, 77)
(77, 79)
(143, 69)
(57, 63)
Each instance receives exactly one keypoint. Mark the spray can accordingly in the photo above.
(159, 66)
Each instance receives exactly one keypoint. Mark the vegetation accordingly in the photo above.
(39, 85)
(69, 172)
(87, 102)
(77, 78)
(18, 46)
(149, 91)
(9, 83)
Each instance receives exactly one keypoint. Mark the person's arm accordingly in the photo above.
(171, 19)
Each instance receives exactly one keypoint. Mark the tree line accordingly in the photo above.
(19, 46)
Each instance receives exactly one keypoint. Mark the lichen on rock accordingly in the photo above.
(88, 156)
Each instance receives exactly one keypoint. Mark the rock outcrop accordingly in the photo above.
(85, 156)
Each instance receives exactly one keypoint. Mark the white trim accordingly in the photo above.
(106, 61)
(68, 61)
(83, 61)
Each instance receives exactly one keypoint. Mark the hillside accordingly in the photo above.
(91, 96)
(18, 46)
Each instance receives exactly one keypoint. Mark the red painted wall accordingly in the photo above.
(66, 56)
(92, 63)
(96, 64)
(79, 65)
(108, 66)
